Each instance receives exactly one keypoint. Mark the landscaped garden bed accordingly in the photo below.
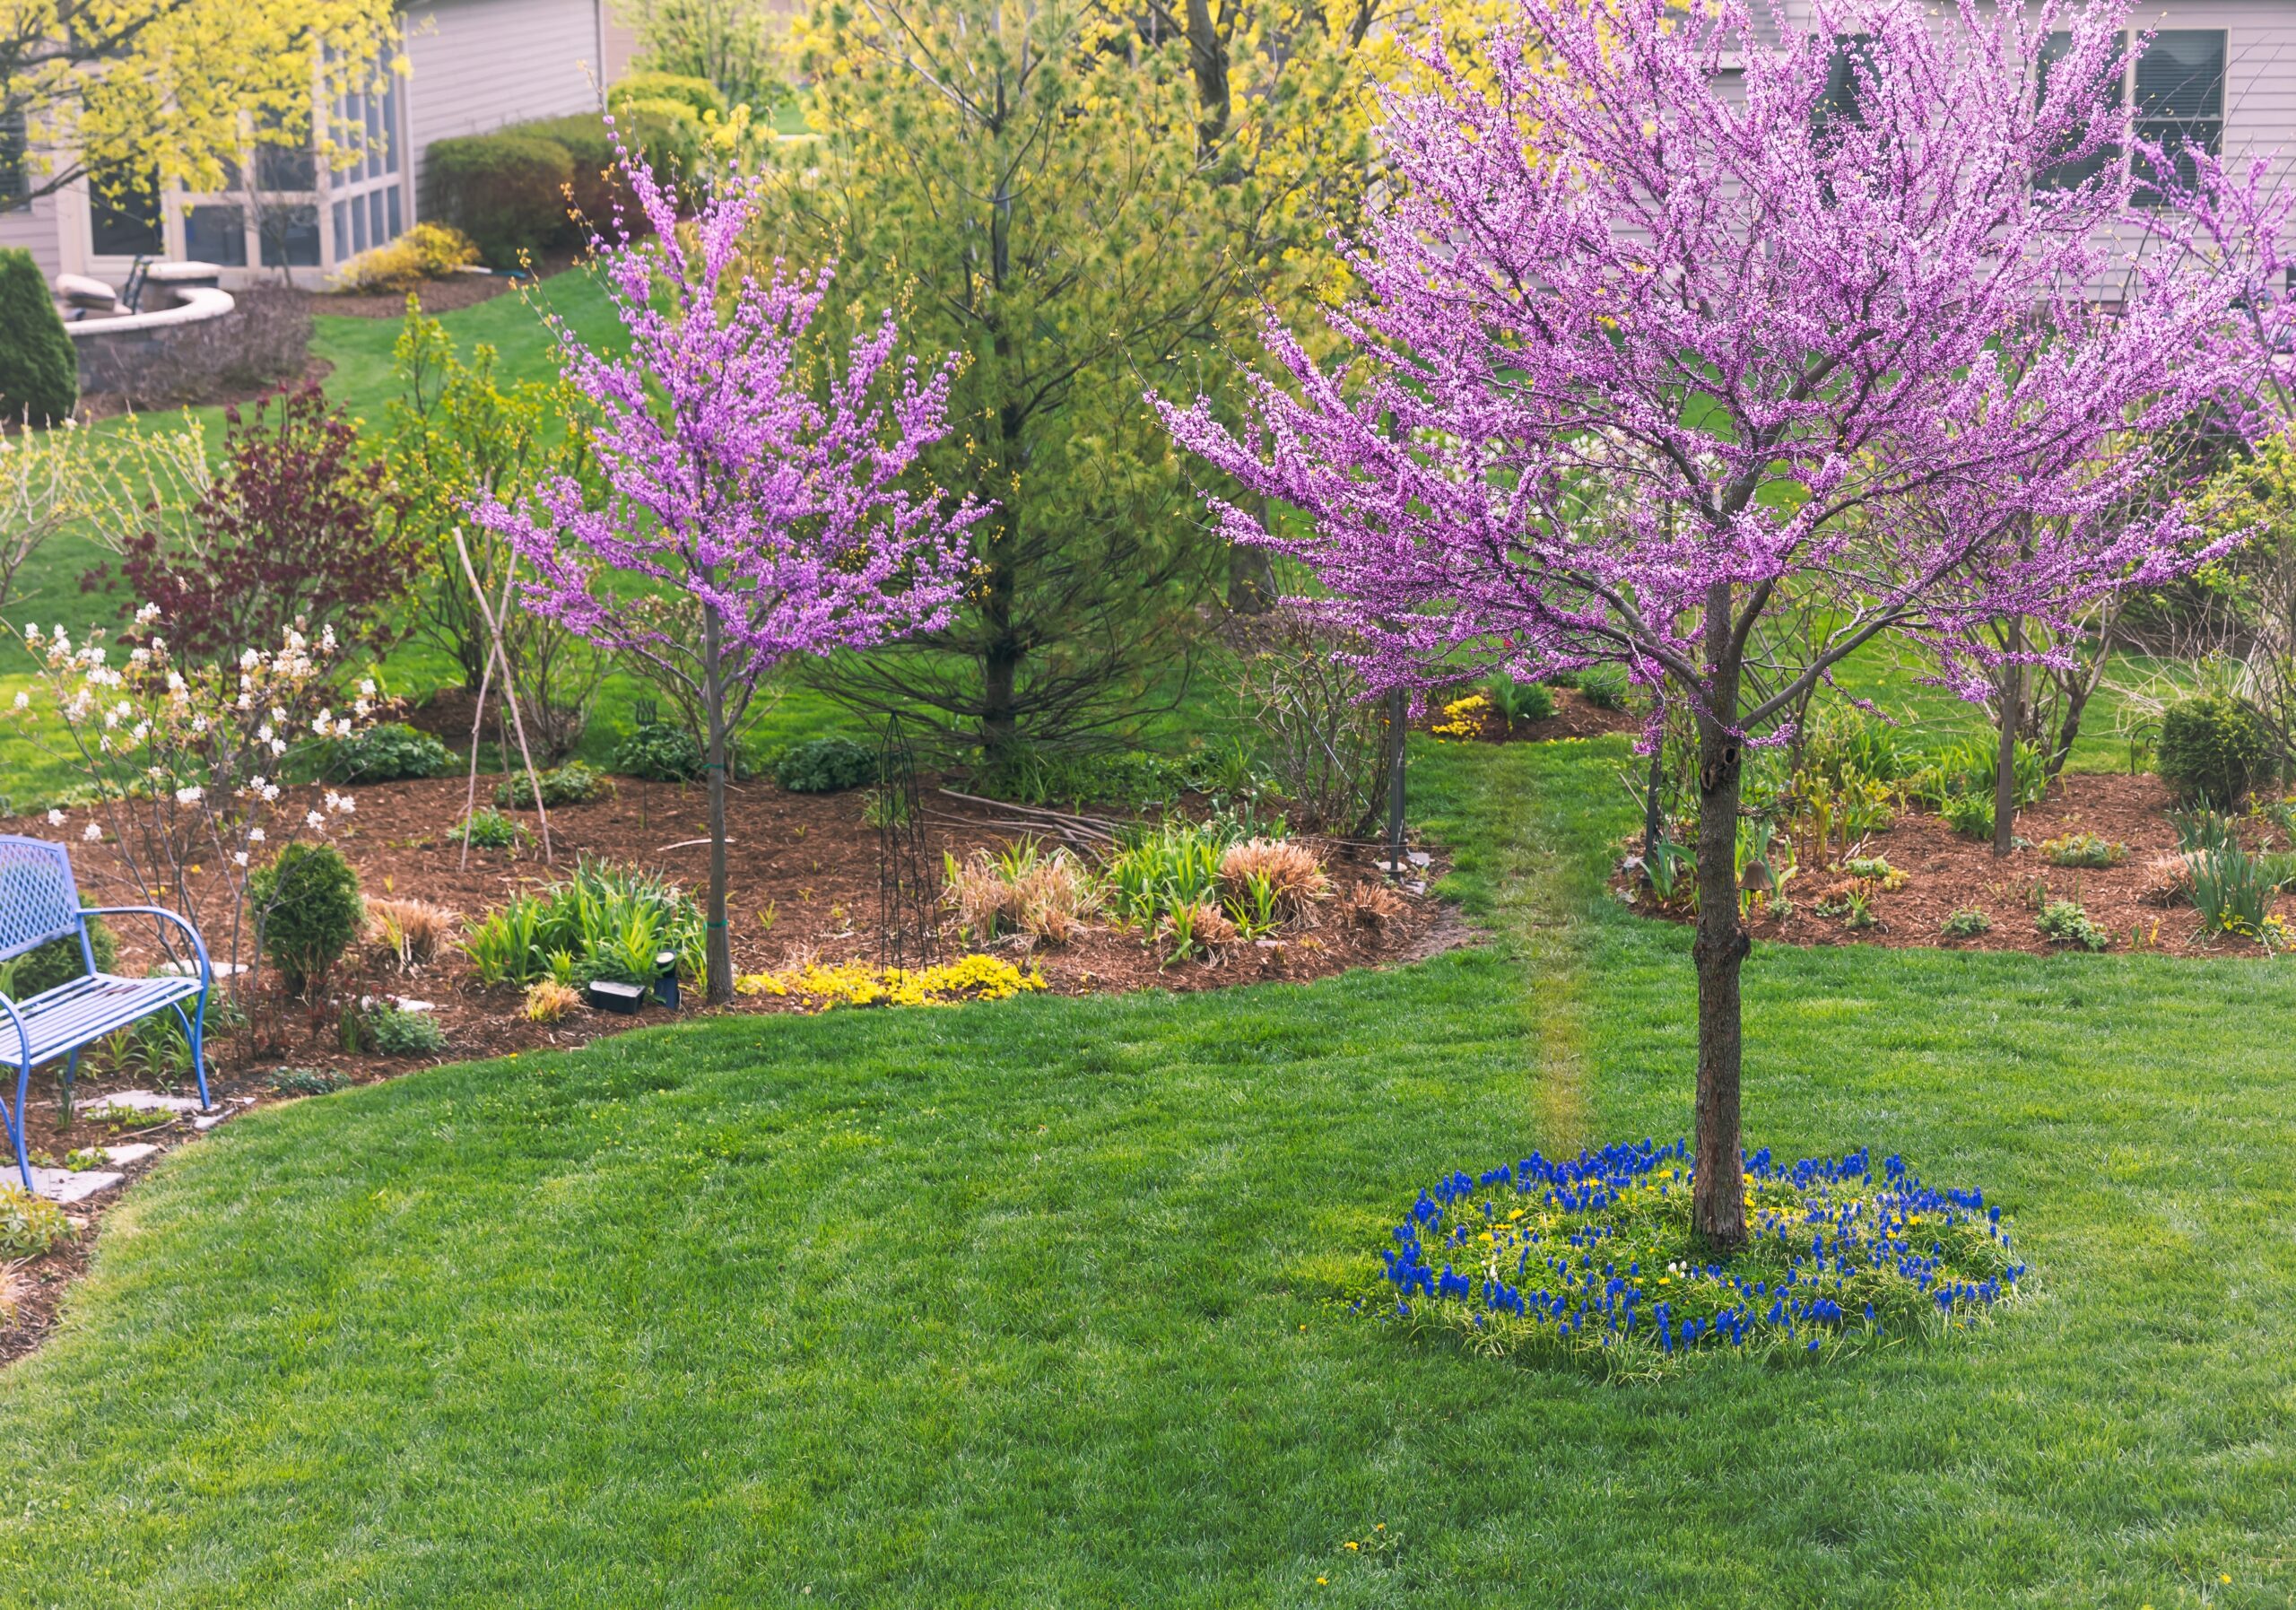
(2108, 846)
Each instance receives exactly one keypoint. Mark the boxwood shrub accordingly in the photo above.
(2213, 747)
(39, 373)
(506, 190)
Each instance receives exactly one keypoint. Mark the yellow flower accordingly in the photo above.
(1351, 1544)
(1321, 1581)
(2224, 1577)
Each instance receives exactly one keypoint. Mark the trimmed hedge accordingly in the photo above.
(551, 181)
(2214, 748)
(40, 372)
(507, 191)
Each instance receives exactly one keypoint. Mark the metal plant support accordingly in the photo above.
(909, 899)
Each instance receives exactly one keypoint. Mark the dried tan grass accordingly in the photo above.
(1048, 895)
(1374, 906)
(413, 932)
(549, 1001)
(1290, 868)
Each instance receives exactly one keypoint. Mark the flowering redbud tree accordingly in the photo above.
(757, 480)
(1675, 317)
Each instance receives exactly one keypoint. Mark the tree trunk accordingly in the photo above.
(2004, 765)
(1653, 811)
(1251, 579)
(1717, 1208)
(713, 699)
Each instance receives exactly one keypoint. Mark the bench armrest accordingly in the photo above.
(199, 946)
(23, 1035)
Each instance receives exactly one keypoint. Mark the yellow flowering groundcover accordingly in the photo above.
(974, 978)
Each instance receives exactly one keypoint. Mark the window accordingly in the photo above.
(124, 215)
(16, 181)
(216, 233)
(1852, 58)
(2179, 103)
(2071, 174)
(290, 235)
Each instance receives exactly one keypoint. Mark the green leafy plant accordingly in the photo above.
(1030, 774)
(2214, 748)
(304, 1081)
(659, 752)
(572, 784)
(386, 753)
(1968, 815)
(2084, 849)
(825, 765)
(1965, 922)
(395, 1032)
(601, 922)
(1156, 871)
(1605, 687)
(2064, 922)
(29, 1226)
(491, 830)
(2232, 889)
(307, 901)
(1517, 703)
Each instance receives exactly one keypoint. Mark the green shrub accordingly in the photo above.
(824, 766)
(395, 1032)
(387, 754)
(308, 896)
(697, 93)
(1967, 922)
(40, 372)
(1133, 779)
(2084, 849)
(1968, 815)
(571, 783)
(59, 962)
(2214, 748)
(1969, 765)
(1605, 687)
(1845, 742)
(29, 1226)
(491, 830)
(506, 190)
(661, 753)
(2063, 922)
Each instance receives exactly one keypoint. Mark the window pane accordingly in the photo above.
(218, 234)
(2181, 75)
(2067, 175)
(393, 193)
(342, 231)
(375, 217)
(358, 224)
(285, 168)
(124, 216)
(374, 164)
(291, 237)
(14, 175)
(2177, 138)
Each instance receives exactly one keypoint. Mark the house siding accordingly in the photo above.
(34, 228)
(476, 65)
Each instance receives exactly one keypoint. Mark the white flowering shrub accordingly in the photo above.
(194, 773)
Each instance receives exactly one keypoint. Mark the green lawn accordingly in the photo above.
(1017, 1305)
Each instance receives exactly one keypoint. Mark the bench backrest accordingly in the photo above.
(39, 899)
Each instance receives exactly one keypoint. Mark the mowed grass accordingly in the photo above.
(1022, 1305)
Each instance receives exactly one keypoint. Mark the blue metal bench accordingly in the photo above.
(40, 902)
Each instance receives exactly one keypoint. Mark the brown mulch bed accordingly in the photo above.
(1574, 717)
(2137, 902)
(807, 861)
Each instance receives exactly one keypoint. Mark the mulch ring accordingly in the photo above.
(2140, 902)
(805, 874)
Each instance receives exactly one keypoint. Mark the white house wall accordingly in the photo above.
(476, 65)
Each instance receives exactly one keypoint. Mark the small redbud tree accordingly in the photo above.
(746, 472)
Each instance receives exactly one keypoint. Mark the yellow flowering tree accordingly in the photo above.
(138, 93)
(1086, 200)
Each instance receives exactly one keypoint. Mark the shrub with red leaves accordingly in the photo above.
(292, 532)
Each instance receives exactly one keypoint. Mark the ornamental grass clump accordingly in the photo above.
(1593, 1261)
(1024, 888)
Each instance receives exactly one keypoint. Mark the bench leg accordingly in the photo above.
(196, 1026)
(16, 1125)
